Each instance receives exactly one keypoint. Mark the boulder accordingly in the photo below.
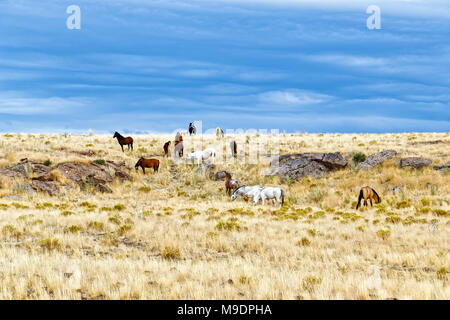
(414, 162)
(377, 159)
(442, 166)
(78, 171)
(297, 166)
(11, 174)
(51, 187)
(207, 168)
(220, 175)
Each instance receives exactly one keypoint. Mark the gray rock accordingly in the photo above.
(414, 162)
(220, 175)
(442, 166)
(207, 168)
(51, 187)
(297, 166)
(377, 159)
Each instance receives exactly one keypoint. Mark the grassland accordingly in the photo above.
(177, 235)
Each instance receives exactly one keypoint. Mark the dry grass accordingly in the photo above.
(167, 237)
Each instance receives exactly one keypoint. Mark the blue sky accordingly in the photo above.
(155, 66)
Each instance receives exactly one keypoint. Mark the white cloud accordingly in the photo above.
(17, 104)
(292, 97)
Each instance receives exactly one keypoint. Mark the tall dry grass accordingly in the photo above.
(179, 237)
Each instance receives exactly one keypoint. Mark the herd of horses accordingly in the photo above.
(232, 187)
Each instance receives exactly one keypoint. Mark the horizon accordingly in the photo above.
(141, 67)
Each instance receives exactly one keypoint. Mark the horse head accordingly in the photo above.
(138, 163)
(116, 134)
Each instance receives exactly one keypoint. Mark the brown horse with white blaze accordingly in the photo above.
(230, 185)
(124, 141)
(147, 163)
(367, 193)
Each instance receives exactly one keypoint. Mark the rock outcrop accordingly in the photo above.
(220, 175)
(442, 166)
(297, 166)
(207, 168)
(43, 178)
(414, 162)
(377, 159)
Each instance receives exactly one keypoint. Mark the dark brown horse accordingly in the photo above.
(192, 129)
(368, 193)
(147, 163)
(124, 141)
(233, 147)
(166, 148)
(230, 184)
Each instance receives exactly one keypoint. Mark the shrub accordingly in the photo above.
(47, 163)
(170, 253)
(100, 162)
(50, 244)
(383, 234)
(304, 242)
(228, 225)
(74, 228)
(441, 273)
(124, 229)
(96, 225)
(358, 157)
(10, 230)
(144, 189)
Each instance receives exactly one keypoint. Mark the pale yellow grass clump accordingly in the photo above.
(178, 236)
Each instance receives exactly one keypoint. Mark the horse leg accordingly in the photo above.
(143, 169)
(122, 147)
(132, 146)
(365, 203)
(371, 202)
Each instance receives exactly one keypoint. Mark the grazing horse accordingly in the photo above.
(147, 163)
(166, 148)
(202, 155)
(179, 140)
(244, 190)
(192, 129)
(219, 133)
(122, 140)
(368, 193)
(269, 193)
(230, 184)
(233, 147)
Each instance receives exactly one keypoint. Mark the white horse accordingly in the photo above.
(202, 155)
(244, 190)
(269, 193)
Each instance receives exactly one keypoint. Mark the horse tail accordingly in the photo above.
(359, 199)
(282, 196)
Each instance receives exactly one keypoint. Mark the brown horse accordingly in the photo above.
(122, 140)
(166, 148)
(230, 184)
(179, 140)
(368, 193)
(147, 163)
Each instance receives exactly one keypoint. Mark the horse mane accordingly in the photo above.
(379, 199)
(119, 136)
(238, 189)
